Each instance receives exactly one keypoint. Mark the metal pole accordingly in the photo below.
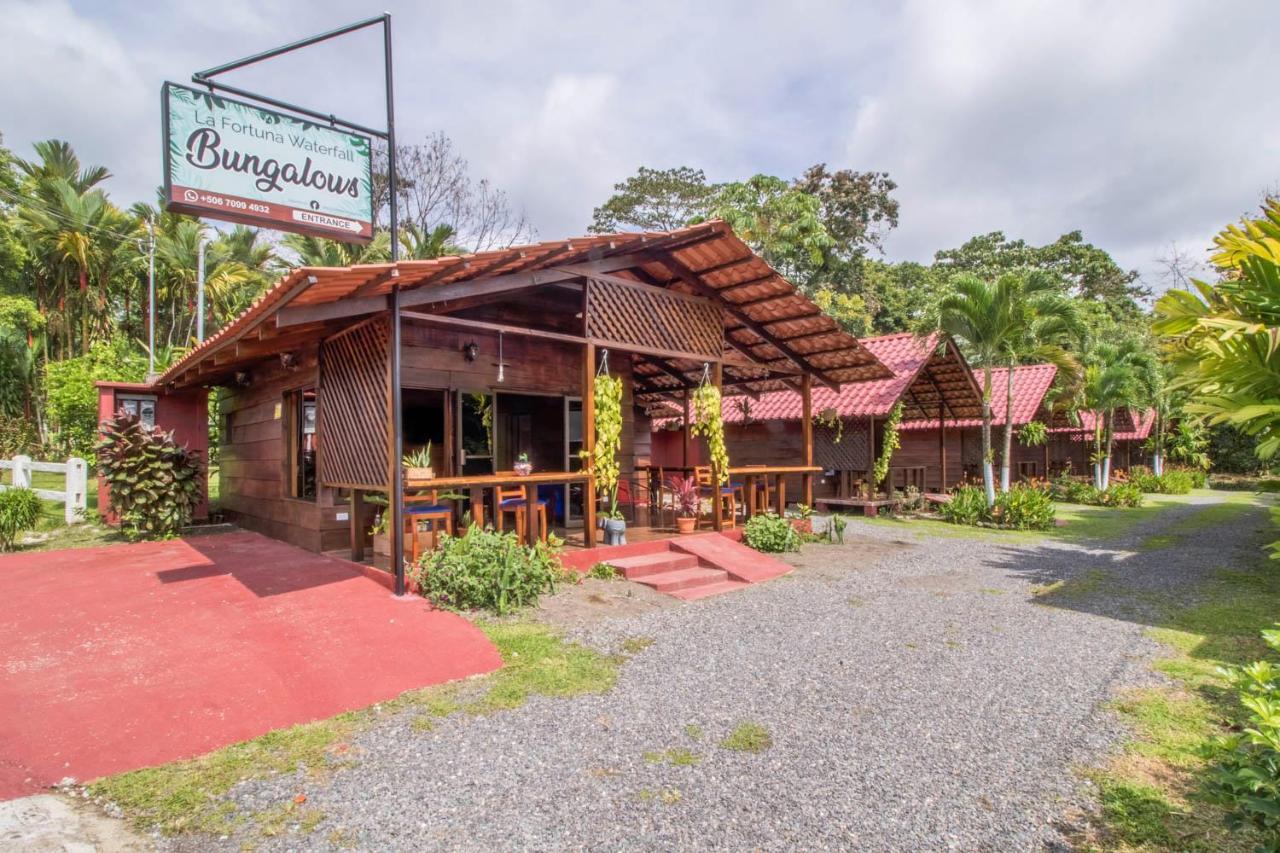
(397, 416)
(200, 293)
(151, 299)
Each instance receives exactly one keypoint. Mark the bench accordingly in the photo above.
(870, 508)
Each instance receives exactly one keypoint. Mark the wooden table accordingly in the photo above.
(749, 473)
(475, 484)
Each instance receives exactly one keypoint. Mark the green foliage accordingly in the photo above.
(655, 200)
(1188, 444)
(72, 399)
(1120, 494)
(708, 423)
(604, 572)
(19, 512)
(890, 442)
(1023, 508)
(835, 528)
(1223, 336)
(748, 737)
(18, 436)
(1247, 778)
(771, 534)
(1172, 482)
(1033, 434)
(608, 414)
(488, 570)
(153, 481)
(968, 505)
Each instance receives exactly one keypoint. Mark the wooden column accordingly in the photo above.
(355, 511)
(1046, 457)
(806, 431)
(942, 450)
(686, 436)
(871, 454)
(717, 509)
(589, 443)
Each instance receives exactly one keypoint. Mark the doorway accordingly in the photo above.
(424, 417)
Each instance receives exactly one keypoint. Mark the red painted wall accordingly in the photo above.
(184, 413)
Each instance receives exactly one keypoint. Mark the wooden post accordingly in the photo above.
(942, 450)
(356, 511)
(687, 436)
(717, 509)
(871, 455)
(1046, 457)
(531, 514)
(806, 431)
(589, 443)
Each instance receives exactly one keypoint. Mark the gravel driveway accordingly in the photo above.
(924, 699)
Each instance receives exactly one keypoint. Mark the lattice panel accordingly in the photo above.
(851, 454)
(651, 318)
(354, 434)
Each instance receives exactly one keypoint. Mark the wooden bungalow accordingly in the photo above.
(963, 436)
(929, 377)
(496, 355)
(1071, 440)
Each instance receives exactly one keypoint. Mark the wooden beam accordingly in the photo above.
(743, 285)
(727, 265)
(482, 325)
(669, 369)
(683, 273)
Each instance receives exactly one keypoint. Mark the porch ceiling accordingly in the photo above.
(770, 328)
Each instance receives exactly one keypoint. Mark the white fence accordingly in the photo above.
(74, 495)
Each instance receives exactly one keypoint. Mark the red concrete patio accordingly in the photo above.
(133, 655)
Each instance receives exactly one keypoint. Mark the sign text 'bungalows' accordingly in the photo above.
(226, 159)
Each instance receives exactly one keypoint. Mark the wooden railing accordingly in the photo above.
(74, 494)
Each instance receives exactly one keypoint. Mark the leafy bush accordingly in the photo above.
(154, 482)
(1024, 508)
(1198, 476)
(1247, 778)
(488, 570)
(968, 505)
(1120, 494)
(1175, 481)
(72, 399)
(1072, 490)
(19, 512)
(771, 534)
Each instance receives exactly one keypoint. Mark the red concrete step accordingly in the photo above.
(653, 564)
(742, 563)
(693, 593)
(682, 579)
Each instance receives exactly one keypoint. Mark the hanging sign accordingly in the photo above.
(226, 159)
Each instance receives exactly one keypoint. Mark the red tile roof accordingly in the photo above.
(1145, 420)
(903, 353)
(1030, 383)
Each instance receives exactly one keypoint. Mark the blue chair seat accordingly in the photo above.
(513, 502)
(423, 509)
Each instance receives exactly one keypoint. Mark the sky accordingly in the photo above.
(1143, 124)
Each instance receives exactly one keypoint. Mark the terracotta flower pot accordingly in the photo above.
(686, 525)
(524, 469)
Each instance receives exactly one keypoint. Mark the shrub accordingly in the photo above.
(1071, 490)
(19, 512)
(1024, 508)
(488, 570)
(154, 481)
(771, 534)
(1247, 778)
(1198, 476)
(1120, 494)
(72, 399)
(1175, 481)
(968, 505)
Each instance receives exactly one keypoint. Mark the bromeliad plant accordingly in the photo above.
(154, 482)
(709, 423)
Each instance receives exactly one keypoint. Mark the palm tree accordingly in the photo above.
(419, 245)
(1044, 323)
(1117, 375)
(319, 252)
(979, 315)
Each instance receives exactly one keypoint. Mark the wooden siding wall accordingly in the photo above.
(254, 485)
(920, 447)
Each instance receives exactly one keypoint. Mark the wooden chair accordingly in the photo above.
(420, 509)
(730, 495)
(514, 499)
(763, 490)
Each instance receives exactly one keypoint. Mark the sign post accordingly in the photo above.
(339, 221)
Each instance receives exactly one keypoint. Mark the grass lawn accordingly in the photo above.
(187, 796)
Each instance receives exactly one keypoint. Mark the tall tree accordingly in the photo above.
(655, 200)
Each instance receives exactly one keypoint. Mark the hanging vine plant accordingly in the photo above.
(888, 446)
(608, 422)
(708, 422)
(829, 418)
(1033, 434)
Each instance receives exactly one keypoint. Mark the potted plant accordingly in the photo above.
(417, 465)
(381, 541)
(523, 466)
(687, 500)
(608, 400)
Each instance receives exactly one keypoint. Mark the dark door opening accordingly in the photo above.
(424, 425)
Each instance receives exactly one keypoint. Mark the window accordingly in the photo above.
(1028, 470)
(143, 408)
(302, 438)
